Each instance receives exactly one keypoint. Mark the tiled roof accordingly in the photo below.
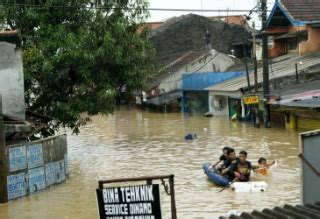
(232, 19)
(308, 211)
(303, 10)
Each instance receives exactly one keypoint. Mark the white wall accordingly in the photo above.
(213, 62)
(11, 80)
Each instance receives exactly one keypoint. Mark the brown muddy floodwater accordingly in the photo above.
(134, 143)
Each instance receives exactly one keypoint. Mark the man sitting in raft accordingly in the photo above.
(239, 170)
(222, 158)
(231, 158)
(263, 166)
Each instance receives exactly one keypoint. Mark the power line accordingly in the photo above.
(124, 8)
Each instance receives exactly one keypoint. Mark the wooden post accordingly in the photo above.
(3, 160)
(173, 199)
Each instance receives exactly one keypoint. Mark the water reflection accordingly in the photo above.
(134, 143)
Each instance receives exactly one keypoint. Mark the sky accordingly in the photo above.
(203, 4)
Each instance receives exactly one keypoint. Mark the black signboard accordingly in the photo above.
(131, 202)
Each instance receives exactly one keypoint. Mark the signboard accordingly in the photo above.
(36, 179)
(133, 202)
(35, 156)
(50, 169)
(17, 158)
(251, 100)
(17, 185)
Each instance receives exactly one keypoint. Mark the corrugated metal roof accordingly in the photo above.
(299, 95)
(277, 69)
(308, 211)
(293, 34)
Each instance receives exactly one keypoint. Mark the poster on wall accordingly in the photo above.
(17, 158)
(34, 156)
(142, 201)
(60, 171)
(50, 170)
(36, 179)
(17, 185)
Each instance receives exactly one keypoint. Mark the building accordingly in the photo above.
(294, 27)
(11, 75)
(182, 81)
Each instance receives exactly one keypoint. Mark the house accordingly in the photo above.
(295, 54)
(294, 27)
(183, 80)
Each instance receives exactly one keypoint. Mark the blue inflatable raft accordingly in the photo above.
(214, 176)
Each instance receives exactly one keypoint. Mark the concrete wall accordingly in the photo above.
(218, 105)
(278, 49)
(215, 62)
(313, 43)
(35, 166)
(304, 47)
(11, 80)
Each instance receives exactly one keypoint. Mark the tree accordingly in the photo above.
(78, 53)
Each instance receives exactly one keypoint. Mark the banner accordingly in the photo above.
(132, 202)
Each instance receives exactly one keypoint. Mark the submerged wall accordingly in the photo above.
(35, 166)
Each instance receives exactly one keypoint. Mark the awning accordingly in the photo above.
(165, 98)
(293, 34)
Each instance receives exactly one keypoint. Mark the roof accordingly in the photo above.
(294, 12)
(10, 36)
(298, 95)
(165, 98)
(278, 67)
(308, 211)
(150, 25)
(177, 64)
(306, 10)
(293, 34)
(232, 19)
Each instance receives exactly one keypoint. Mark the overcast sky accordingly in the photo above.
(199, 4)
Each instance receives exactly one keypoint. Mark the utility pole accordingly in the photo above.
(246, 65)
(255, 59)
(266, 91)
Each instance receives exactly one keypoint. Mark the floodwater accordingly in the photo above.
(135, 143)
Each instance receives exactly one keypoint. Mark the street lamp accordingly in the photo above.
(297, 75)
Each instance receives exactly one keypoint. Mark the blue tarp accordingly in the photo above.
(200, 81)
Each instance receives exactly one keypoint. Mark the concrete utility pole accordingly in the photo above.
(255, 59)
(266, 91)
(3, 160)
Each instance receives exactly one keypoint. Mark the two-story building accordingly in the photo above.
(294, 27)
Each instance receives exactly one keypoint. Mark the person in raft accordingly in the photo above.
(263, 166)
(231, 159)
(222, 158)
(239, 170)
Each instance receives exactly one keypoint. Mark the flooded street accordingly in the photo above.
(135, 143)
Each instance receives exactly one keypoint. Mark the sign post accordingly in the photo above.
(134, 202)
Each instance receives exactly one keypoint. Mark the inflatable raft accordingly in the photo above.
(214, 176)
